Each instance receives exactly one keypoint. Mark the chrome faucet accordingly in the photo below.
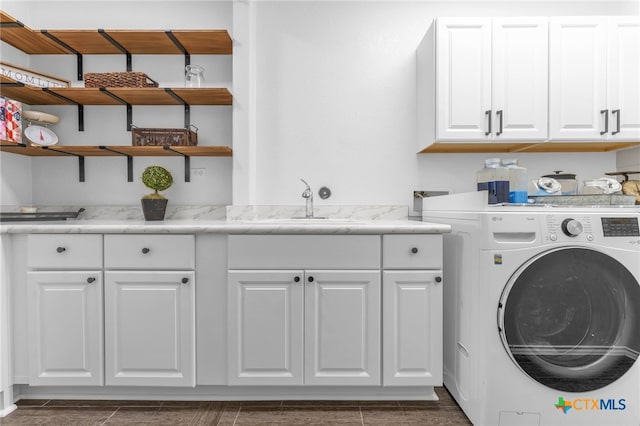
(308, 196)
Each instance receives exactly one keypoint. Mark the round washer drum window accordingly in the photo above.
(570, 319)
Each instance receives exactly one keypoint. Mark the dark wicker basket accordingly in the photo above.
(118, 79)
(160, 137)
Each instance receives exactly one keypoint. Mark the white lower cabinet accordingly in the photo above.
(313, 327)
(412, 328)
(65, 328)
(150, 328)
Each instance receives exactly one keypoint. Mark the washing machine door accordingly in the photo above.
(570, 319)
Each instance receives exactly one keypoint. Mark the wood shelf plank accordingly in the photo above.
(30, 95)
(134, 151)
(87, 42)
(524, 147)
(205, 96)
(132, 95)
(86, 95)
(155, 42)
(24, 38)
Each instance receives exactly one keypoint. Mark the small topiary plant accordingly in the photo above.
(157, 178)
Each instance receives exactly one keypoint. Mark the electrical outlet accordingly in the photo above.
(198, 173)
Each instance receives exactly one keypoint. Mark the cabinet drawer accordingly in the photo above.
(62, 251)
(149, 251)
(416, 251)
(304, 252)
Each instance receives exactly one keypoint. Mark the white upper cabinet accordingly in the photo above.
(624, 78)
(463, 89)
(520, 78)
(594, 83)
(490, 79)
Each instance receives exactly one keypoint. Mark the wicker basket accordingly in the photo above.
(118, 79)
(158, 137)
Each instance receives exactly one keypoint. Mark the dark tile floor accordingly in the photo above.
(173, 413)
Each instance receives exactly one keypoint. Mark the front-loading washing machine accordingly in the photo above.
(541, 312)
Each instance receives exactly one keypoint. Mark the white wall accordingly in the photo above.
(323, 90)
(335, 99)
(55, 180)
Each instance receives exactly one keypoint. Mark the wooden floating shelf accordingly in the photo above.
(31, 95)
(96, 42)
(115, 150)
(524, 147)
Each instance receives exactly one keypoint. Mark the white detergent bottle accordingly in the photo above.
(494, 178)
(518, 184)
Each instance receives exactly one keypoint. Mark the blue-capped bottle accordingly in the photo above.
(494, 178)
(518, 183)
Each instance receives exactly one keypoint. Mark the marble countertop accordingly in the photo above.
(254, 219)
(265, 226)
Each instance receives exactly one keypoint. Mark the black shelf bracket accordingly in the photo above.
(129, 161)
(187, 107)
(13, 145)
(187, 56)
(80, 161)
(12, 84)
(123, 102)
(14, 24)
(117, 46)
(70, 49)
(80, 107)
(187, 162)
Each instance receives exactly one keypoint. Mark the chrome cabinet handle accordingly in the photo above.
(499, 114)
(606, 121)
(616, 112)
(145, 250)
(90, 280)
(488, 114)
(61, 249)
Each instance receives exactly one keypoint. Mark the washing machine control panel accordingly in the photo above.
(564, 228)
(571, 227)
(620, 227)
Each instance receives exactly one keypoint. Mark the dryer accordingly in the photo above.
(541, 312)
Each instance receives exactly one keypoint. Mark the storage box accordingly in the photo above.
(3, 124)
(118, 79)
(13, 120)
(159, 137)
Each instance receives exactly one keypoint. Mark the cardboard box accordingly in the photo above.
(3, 124)
(13, 120)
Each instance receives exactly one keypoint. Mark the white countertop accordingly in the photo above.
(267, 226)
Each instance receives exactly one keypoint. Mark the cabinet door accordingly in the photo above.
(342, 327)
(577, 78)
(412, 328)
(265, 327)
(150, 328)
(65, 328)
(463, 89)
(624, 78)
(520, 83)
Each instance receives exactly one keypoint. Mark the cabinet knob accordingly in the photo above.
(61, 249)
(310, 279)
(185, 280)
(438, 279)
(414, 250)
(296, 279)
(145, 250)
(90, 280)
